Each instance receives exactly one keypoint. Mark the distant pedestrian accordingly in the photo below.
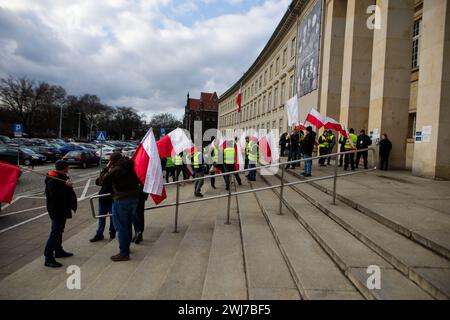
(229, 157)
(363, 142)
(253, 152)
(61, 202)
(104, 208)
(283, 142)
(332, 143)
(385, 151)
(342, 142)
(324, 147)
(170, 168)
(125, 184)
(307, 145)
(199, 171)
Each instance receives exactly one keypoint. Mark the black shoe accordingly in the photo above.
(97, 238)
(138, 239)
(240, 183)
(199, 195)
(112, 236)
(308, 175)
(52, 264)
(63, 254)
(214, 187)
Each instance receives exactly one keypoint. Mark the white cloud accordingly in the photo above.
(130, 52)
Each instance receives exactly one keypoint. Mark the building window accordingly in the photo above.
(281, 125)
(412, 125)
(284, 56)
(275, 98)
(293, 43)
(282, 93)
(277, 65)
(416, 43)
(271, 71)
(291, 86)
(274, 124)
(265, 77)
(264, 104)
(269, 101)
(260, 82)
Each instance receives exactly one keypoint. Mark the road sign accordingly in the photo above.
(18, 130)
(101, 135)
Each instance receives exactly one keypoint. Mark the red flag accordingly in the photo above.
(239, 100)
(147, 165)
(9, 174)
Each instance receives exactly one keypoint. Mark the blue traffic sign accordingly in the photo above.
(101, 135)
(18, 129)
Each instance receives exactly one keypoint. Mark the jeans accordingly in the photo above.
(323, 152)
(308, 163)
(365, 155)
(170, 171)
(252, 174)
(54, 242)
(231, 168)
(349, 159)
(104, 208)
(198, 173)
(123, 211)
(294, 155)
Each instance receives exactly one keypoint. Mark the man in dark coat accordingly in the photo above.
(363, 142)
(61, 201)
(385, 151)
(307, 145)
(126, 185)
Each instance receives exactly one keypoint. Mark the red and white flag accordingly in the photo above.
(147, 165)
(268, 149)
(174, 143)
(239, 162)
(239, 100)
(9, 174)
(316, 119)
(334, 125)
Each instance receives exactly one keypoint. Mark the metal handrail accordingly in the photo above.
(177, 203)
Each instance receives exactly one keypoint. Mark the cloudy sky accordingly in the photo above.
(141, 53)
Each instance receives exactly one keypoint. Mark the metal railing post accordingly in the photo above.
(176, 208)
(280, 212)
(235, 190)
(229, 201)
(335, 178)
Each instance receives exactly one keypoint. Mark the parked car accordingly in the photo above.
(87, 146)
(83, 158)
(51, 153)
(6, 140)
(105, 153)
(26, 156)
(65, 148)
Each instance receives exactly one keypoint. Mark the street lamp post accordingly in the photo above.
(79, 121)
(60, 121)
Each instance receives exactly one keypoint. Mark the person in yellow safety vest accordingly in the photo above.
(332, 143)
(324, 146)
(179, 166)
(350, 144)
(229, 156)
(170, 168)
(253, 153)
(199, 171)
(213, 165)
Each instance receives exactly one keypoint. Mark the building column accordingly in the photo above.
(357, 66)
(333, 51)
(432, 154)
(391, 76)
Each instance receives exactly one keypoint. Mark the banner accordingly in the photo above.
(292, 111)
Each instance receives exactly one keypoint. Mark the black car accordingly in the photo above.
(27, 157)
(82, 158)
(51, 153)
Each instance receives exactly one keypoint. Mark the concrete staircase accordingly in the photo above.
(312, 251)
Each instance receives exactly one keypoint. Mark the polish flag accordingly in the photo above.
(316, 119)
(334, 125)
(147, 164)
(239, 100)
(239, 162)
(268, 149)
(9, 174)
(173, 143)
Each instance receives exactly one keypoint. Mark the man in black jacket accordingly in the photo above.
(363, 142)
(125, 184)
(307, 145)
(385, 151)
(61, 201)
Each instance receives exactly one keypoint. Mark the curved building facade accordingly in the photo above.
(378, 65)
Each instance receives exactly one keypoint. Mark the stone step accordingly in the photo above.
(225, 276)
(187, 274)
(316, 276)
(268, 276)
(351, 255)
(435, 240)
(427, 269)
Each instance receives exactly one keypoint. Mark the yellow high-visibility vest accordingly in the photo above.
(169, 162)
(229, 154)
(178, 160)
(323, 142)
(253, 152)
(354, 138)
